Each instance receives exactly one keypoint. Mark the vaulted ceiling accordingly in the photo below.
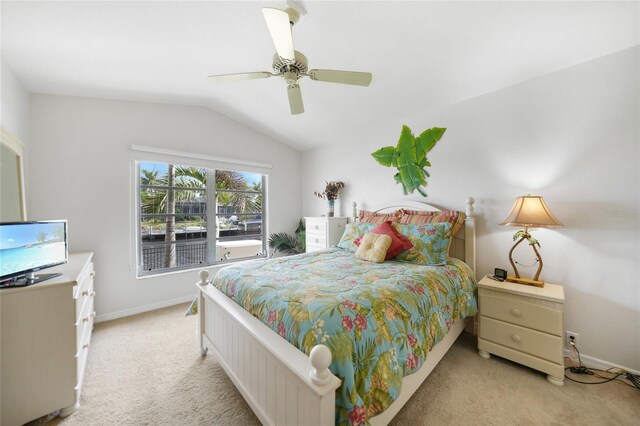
(423, 55)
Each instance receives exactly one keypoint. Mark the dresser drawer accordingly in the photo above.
(86, 274)
(525, 340)
(316, 227)
(316, 240)
(86, 317)
(85, 297)
(85, 289)
(312, 247)
(83, 351)
(520, 312)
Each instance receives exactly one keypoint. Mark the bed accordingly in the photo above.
(253, 314)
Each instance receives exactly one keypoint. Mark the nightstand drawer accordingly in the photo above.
(316, 227)
(316, 240)
(520, 312)
(323, 232)
(311, 247)
(532, 342)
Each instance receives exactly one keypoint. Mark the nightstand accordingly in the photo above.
(323, 232)
(524, 324)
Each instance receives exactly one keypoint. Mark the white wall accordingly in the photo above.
(571, 136)
(80, 170)
(14, 105)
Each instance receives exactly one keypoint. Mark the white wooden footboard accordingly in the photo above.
(282, 385)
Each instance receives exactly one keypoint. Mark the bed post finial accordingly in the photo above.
(320, 361)
(355, 212)
(470, 210)
(204, 274)
(470, 235)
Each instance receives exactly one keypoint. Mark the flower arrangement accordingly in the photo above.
(330, 190)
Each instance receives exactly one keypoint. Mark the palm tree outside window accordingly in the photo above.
(176, 230)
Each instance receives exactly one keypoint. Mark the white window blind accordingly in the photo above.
(161, 155)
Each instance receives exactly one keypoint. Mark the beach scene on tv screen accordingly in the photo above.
(28, 246)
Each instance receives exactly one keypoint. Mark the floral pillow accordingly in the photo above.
(352, 232)
(430, 243)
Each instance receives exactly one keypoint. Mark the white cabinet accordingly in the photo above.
(46, 332)
(524, 324)
(323, 232)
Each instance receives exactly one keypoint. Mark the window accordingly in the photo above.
(191, 216)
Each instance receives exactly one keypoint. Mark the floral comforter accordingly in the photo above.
(378, 320)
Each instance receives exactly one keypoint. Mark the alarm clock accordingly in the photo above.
(499, 274)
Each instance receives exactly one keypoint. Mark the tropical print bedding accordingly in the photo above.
(378, 320)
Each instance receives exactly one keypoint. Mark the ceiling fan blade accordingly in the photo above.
(238, 76)
(343, 77)
(280, 29)
(295, 99)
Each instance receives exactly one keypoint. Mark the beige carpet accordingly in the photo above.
(146, 369)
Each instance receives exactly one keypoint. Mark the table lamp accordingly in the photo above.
(529, 211)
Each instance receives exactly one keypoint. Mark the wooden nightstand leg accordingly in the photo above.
(555, 380)
(484, 354)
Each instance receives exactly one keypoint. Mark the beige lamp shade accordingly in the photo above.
(531, 211)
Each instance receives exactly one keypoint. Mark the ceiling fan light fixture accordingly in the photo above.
(291, 78)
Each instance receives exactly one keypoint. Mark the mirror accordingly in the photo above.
(12, 197)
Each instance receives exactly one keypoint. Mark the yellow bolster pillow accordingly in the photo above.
(373, 247)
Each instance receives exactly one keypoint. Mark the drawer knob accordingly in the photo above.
(85, 319)
(516, 312)
(93, 293)
(315, 227)
(85, 346)
(85, 293)
(92, 274)
(316, 240)
(516, 338)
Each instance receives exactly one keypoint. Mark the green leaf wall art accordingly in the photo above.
(409, 156)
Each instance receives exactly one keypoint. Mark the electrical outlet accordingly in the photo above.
(568, 335)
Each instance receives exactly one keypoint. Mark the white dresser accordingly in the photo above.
(524, 324)
(323, 232)
(46, 331)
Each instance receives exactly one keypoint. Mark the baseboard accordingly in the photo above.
(145, 308)
(600, 364)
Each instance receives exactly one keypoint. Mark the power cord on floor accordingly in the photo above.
(619, 376)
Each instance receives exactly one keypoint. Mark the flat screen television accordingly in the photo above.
(29, 247)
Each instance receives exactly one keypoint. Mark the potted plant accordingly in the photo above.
(289, 244)
(330, 194)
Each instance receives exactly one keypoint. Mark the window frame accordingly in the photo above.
(212, 238)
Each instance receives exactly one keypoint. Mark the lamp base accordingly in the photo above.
(525, 281)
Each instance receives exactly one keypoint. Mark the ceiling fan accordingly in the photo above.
(290, 64)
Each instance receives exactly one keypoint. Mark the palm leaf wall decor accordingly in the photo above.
(409, 156)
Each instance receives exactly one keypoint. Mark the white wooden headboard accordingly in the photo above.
(463, 246)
